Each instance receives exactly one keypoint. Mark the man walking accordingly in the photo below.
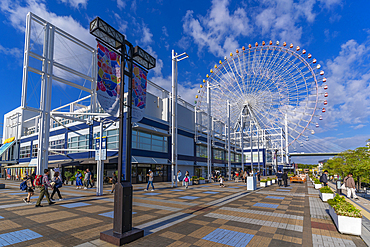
(351, 187)
(285, 178)
(324, 178)
(279, 176)
(44, 189)
(150, 180)
(87, 178)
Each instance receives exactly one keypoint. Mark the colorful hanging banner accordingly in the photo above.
(139, 85)
(109, 79)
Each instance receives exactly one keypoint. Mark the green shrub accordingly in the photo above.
(68, 175)
(268, 179)
(201, 178)
(326, 189)
(317, 181)
(344, 208)
(263, 181)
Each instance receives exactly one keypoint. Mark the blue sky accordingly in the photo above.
(336, 32)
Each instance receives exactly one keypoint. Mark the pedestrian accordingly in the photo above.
(324, 178)
(114, 181)
(30, 188)
(178, 176)
(87, 178)
(186, 180)
(57, 184)
(285, 178)
(221, 179)
(351, 187)
(259, 176)
(44, 184)
(92, 181)
(245, 177)
(78, 180)
(279, 176)
(150, 176)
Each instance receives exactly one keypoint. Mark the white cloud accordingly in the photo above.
(349, 85)
(76, 3)
(16, 14)
(146, 35)
(164, 31)
(133, 5)
(15, 52)
(358, 126)
(219, 29)
(121, 4)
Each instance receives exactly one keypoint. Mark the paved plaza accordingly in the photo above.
(204, 215)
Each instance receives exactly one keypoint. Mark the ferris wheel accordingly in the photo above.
(281, 85)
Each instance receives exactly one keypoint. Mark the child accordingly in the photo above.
(186, 180)
(221, 181)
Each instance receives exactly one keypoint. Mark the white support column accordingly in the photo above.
(242, 137)
(26, 61)
(176, 144)
(173, 119)
(209, 145)
(281, 147)
(251, 142)
(228, 141)
(100, 164)
(286, 139)
(45, 100)
(258, 152)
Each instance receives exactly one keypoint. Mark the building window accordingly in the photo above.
(218, 154)
(232, 157)
(78, 142)
(34, 150)
(238, 158)
(112, 138)
(25, 152)
(202, 151)
(58, 144)
(148, 141)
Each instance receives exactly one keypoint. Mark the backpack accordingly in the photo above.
(186, 179)
(23, 185)
(59, 184)
(38, 181)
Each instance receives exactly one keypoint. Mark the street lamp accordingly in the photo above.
(175, 58)
(122, 231)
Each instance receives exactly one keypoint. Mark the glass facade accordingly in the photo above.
(34, 150)
(58, 144)
(78, 142)
(148, 141)
(201, 151)
(25, 152)
(218, 154)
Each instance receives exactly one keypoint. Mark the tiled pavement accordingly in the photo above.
(201, 216)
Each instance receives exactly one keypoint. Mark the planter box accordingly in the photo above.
(345, 224)
(273, 181)
(317, 186)
(263, 184)
(326, 196)
(202, 181)
(268, 183)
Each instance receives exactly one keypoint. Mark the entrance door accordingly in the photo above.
(141, 175)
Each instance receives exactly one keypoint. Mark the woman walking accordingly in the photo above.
(30, 188)
(57, 184)
(186, 179)
(78, 180)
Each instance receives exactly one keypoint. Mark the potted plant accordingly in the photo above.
(263, 183)
(202, 180)
(347, 218)
(273, 181)
(268, 181)
(317, 184)
(68, 176)
(326, 193)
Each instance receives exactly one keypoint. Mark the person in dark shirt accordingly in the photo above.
(324, 178)
(285, 178)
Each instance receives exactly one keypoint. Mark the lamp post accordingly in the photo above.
(122, 231)
(175, 58)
